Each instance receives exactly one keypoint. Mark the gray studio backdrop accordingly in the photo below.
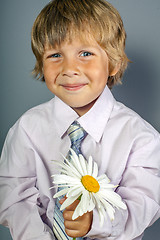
(141, 83)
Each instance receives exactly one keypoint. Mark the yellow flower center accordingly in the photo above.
(90, 183)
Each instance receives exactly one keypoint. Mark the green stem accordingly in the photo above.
(74, 238)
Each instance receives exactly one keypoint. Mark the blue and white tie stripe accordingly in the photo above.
(76, 134)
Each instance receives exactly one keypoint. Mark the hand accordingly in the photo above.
(78, 227)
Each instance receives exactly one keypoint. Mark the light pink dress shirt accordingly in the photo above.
(124, 146)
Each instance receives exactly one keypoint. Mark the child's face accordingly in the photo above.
(76, 72)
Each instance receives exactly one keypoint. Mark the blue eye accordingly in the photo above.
(55, 55)
(86, 54)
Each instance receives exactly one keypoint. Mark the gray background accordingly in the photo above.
(141, 85)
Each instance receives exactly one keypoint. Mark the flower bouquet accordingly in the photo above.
(79, 180)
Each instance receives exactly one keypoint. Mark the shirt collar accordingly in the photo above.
(64, 116)
(94, 121)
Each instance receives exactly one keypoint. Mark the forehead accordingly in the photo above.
(84, 36)
(75, 44)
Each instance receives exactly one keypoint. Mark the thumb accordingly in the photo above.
(61, 201)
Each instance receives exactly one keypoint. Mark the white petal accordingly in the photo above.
(64, 179)
(106, 186)
(77, 190)
(68, 202)
(85, 201)
(107, 205)
(110, 210)
(95, 170)
(83, 164)
(102, 215)
(83, 206)
(104, 178)
(110, 213)
(97, 201)
(91, 203)
(78, 211)
(71, 172)
(59, 163)
(61, 193)
(75, 160)
(90, 165)
(113, 198)
(65, 166)
(69, 166)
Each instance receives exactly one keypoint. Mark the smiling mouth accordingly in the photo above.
(73, 87)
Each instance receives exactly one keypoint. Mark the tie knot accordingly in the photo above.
(76, 134)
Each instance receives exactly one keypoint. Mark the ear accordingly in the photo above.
(115, 70)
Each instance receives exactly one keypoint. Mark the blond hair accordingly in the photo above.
(62, 19)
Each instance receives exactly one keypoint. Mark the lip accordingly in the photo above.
(73, 87)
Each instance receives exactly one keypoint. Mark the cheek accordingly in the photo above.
(49, 80)
(104, 74)
(98, 71)
(49, 74)
(100, 77)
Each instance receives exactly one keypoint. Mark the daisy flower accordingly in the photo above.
(79, 179)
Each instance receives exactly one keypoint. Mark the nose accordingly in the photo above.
(70, 68)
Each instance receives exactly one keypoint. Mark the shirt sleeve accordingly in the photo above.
(140, 190)
(21, 208)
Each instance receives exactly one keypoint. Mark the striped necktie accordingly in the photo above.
(76, 134)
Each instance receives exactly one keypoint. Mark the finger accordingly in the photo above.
(73, 233)
(67, 215)
(72, 225)
(69, 222)
(73, 206)
(79, 227)
(61, 201)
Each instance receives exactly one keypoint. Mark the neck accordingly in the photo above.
(83, 110)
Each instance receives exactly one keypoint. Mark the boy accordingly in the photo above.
(79, 48)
